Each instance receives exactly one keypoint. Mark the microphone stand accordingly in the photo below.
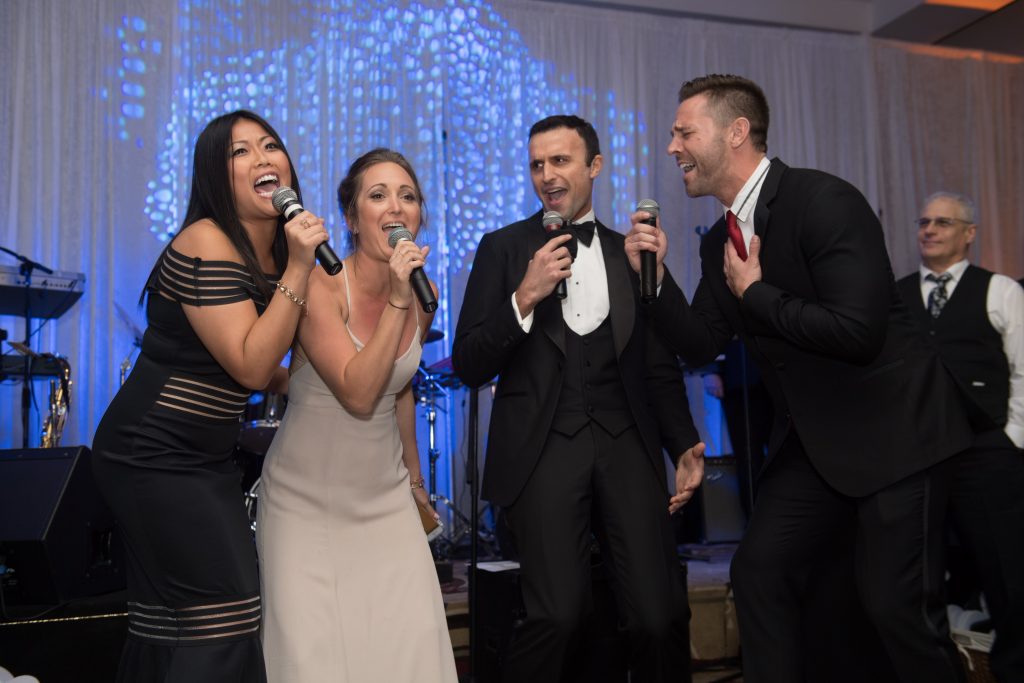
(471, 471)
(26, 268)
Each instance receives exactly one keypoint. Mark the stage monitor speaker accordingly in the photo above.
(57, 536)
(603, 651)
(723, 519)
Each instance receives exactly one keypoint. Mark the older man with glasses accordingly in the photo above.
(975, 318)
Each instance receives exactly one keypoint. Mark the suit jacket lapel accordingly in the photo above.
(762, 216)
(769, 189)
(620, 289)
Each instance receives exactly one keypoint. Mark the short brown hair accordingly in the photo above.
(731, 97)
(351, 184)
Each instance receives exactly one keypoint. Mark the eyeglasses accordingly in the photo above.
(940, 222)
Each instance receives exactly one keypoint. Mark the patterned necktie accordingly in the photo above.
(735, 236)
(584, 231)
(938, 297)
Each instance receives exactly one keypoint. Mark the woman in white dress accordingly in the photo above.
(350, 592)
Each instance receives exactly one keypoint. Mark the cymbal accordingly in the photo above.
(433, 335)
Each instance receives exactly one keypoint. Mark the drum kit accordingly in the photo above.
(431, 385)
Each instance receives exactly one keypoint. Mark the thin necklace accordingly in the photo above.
(751, 190)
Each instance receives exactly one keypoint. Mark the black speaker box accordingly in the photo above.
(723, 519)
(603, 655)
(57, 536)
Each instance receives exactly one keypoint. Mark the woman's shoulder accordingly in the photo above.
(329, 288)
(205, 240)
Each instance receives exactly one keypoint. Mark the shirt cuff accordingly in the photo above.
(1016, 434)
(525, 323)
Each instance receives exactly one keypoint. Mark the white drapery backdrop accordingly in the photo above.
(102, 100)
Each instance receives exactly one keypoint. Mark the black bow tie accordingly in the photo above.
(584, 232)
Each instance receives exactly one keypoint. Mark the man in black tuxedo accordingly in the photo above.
(864, 412)
(975, 319)
(587, 396)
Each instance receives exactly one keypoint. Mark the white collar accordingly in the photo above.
(956, 270)
(746, 198)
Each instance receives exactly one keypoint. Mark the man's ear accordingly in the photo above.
(595, 166)
(739, 130)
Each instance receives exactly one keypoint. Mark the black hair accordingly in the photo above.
(582, 128)
(211, 196)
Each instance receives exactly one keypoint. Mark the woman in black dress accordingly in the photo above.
(223, 302)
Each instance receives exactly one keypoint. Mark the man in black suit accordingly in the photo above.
(975, 319)
(587, 396)
(864, 412)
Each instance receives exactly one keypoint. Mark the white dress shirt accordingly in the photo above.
(586, 305)
(1004, 304)
(746, 199)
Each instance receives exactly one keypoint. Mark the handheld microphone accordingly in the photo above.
(556, 225)
(286, 201)
(648, 259)
(417, 278)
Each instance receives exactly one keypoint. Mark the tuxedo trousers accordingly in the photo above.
(589, 485)
(987, 512)
(800, 524)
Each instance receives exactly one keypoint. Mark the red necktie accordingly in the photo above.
(735, 236)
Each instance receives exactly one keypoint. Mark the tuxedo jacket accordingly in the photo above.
(489, 341)
(847, 366)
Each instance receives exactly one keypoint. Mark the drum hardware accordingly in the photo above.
(126, 320)
(432, 384)
(251, 497)
(259, 426)
(260, 422)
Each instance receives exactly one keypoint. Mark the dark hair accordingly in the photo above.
(211, 195)
(583, 128)
(351, 184)
(731, 97)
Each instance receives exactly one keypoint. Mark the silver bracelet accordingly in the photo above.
(287, 291)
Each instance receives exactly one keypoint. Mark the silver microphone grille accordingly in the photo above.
(282, 197)
(552, 220)
(650, 206)
(397, 235)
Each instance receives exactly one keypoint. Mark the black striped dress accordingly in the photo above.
(162, 457)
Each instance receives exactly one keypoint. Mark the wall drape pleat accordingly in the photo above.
(102, 101)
